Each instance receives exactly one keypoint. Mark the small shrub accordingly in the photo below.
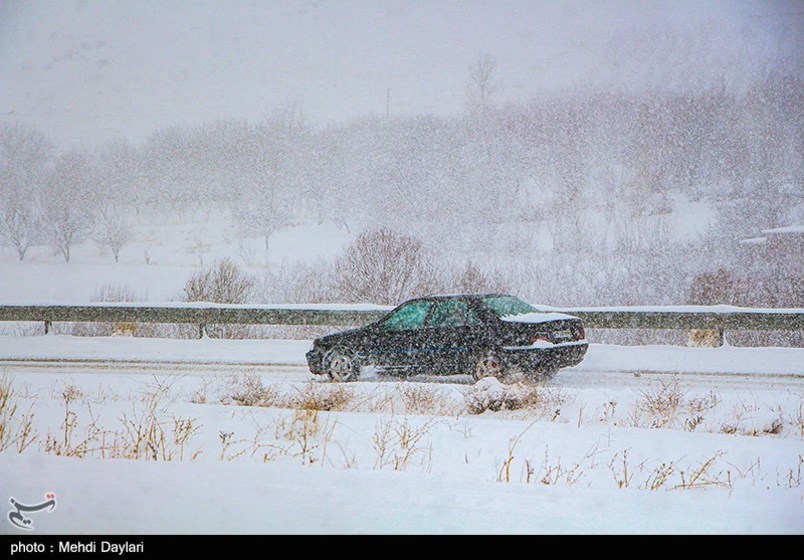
(660, 476)
(8, 410)
(397, 442)
(383, 266)
(662, 404)
(490, 394)
(701, 476)
(303, 430)
(223, 282)
(248, 390)
(316, 396)
(419, 399)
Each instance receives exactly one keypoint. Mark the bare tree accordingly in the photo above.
(383, 266)
(68, 202)
(482, 84)
(274, 173)
(24, 155)
(223, 282)
(261, 211)
(19, 221)
(115, 229)
(474, 280)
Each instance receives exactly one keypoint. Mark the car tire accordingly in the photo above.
(341, 365)
(488, 364)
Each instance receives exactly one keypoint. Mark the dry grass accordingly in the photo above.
(320, 397)
(666, 405)
(397, 442)
(660, 476)
(691, 424)
(71, 393)
(308, 436)
(504, 473)
(510, 397)
(701, 476)
(702, 404)
(379, 401)
(16, 430)
(744, 422)
(728, 428)
(620, 469)
(552, 473)
(793, 477)
(798, 420)
(661, 404)
(248, 390)
(201, 394)
(8, 410)
(144, 434)
(421, 399)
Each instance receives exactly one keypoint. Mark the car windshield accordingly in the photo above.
(504, 306)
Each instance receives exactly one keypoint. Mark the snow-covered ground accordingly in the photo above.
(264, 449)
(160, 259)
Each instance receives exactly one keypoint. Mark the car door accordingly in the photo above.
(399, 342)
(452, 330)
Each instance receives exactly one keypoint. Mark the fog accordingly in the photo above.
(83, 72)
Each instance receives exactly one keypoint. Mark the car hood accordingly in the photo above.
(338, 336)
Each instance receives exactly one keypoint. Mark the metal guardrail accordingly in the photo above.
(200, 314)
(746, 319)
(719, 318)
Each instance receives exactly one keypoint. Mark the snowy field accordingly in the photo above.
(179, 446)
(159, 260)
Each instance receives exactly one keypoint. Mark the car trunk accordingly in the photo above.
(536, 331)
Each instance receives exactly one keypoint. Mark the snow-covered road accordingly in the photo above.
(566, 379)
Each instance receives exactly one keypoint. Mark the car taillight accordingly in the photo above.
(580, 334)
(538, 337)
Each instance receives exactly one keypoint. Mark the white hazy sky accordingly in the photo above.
(85, 71)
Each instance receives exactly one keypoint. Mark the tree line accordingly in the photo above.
(580, 196)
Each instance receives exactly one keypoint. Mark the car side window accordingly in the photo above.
(453, 314)
(409, 317)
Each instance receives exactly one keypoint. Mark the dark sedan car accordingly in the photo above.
(479, 334)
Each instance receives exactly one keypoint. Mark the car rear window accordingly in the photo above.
(508, 305)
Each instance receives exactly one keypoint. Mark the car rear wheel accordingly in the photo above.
(488, 364)
(341, 365)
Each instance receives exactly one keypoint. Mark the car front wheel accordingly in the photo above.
(341, 365)
(488, 364)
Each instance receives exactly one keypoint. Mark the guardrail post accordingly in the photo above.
(202, 330)
(48, 326)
